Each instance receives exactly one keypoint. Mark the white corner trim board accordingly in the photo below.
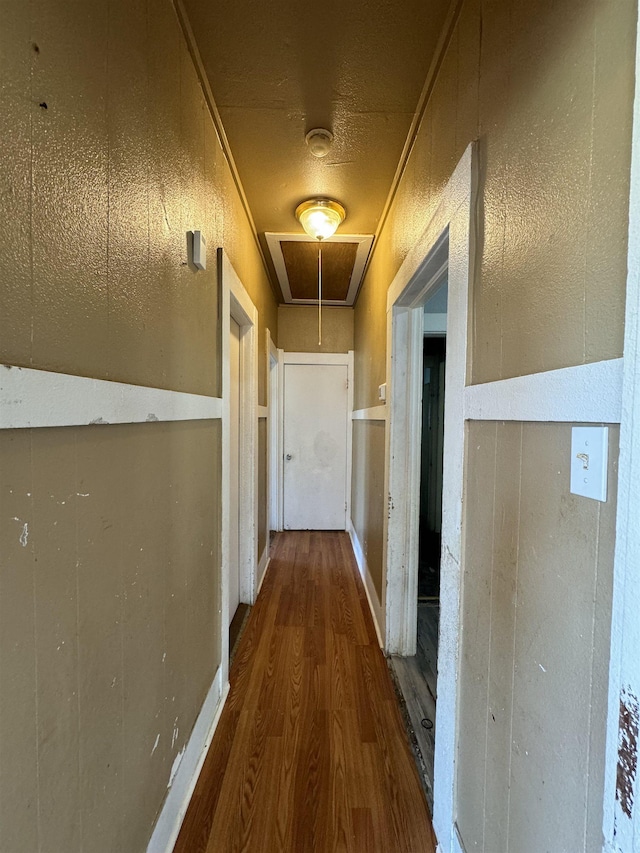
(587, 393)
(182, 784)
(41, 398)
(621, 812)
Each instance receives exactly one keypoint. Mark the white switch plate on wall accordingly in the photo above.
(589, 452)
(199, 250)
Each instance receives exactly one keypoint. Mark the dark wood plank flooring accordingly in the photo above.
(310, 753)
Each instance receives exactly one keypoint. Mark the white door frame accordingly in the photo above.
(345, 358)
(274, 452)
(445, 247)
(237, 304)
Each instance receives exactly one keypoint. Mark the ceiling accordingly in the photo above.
(278, 69)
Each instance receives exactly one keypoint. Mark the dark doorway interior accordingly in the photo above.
(431, 474)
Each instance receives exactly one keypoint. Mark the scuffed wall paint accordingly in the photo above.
(627, 751)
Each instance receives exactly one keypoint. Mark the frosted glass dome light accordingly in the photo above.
(320, 217)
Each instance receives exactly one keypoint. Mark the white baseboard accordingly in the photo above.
(458, 846)
(165, 832)
(263, 565)
(456, 843)
(369, 588)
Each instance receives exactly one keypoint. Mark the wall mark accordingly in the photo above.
(627, 750)
(176, 764)
(24, 536)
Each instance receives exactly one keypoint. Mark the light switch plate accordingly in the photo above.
(589, 452)
(199, 250)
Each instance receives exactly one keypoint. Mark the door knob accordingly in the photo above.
(288, 457)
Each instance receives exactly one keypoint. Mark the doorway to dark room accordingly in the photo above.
(417, 674)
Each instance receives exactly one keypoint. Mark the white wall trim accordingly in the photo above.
(236, 303)
(263, 412)
(367, 582)
(621, 831)
(41, 398)
(274, 452)
(587, 393)
(279, 441)
(167, 827)
(263, 565)
(456, 844)
(446, 247)
(373, 413)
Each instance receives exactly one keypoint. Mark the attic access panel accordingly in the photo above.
(295, 258)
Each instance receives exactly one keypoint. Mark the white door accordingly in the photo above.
(234, 469)
(315, 446)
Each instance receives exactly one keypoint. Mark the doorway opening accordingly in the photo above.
(417, 673)
(236, 610)
(444, 250)
(239, 503)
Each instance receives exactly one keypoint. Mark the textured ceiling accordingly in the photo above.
(277, 69)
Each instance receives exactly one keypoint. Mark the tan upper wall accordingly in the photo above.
(108, 157)
(298, 329)
(547, 89)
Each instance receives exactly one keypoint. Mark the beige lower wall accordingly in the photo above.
(367, 494)
(298, 329)
(535, 644)
(109, 626)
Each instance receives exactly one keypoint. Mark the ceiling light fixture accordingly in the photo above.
(320, 218)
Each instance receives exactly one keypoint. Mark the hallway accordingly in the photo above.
(310, 753)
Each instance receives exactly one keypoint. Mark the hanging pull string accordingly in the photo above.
(319, 296)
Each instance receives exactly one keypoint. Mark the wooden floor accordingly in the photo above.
(416, 678)
(310, 753)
